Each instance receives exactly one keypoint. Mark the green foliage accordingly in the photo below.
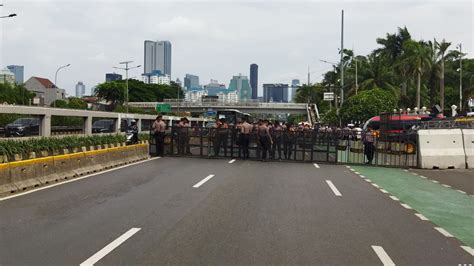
(11, 147)
(15, 94)
(331, 117)
(367, 104)
(312, 94)
(76, 103)
(113, 92)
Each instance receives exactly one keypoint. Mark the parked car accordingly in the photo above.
(103, 126)
(21, 127)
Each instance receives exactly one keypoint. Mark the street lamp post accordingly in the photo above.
(126, 68)
(460, 76)
(9, 16)
(55, 83)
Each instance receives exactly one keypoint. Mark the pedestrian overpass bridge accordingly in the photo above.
(246, 107)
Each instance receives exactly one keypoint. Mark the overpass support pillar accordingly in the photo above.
(117, 124)
(87, 126)
(45, 125)
(139, 125)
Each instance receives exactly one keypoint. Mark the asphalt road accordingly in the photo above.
(462, 179)
(248, 212)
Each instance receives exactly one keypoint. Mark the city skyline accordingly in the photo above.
(210, 46)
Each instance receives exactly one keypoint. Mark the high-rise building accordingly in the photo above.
(214, 88)
(156, 77)
(6, 76)
(275, 93)
(294, 86)
(191, 82)
(80, 89)
(254, 80)
(242, 86)
(157, 57)
(112, 77)
(19, 73)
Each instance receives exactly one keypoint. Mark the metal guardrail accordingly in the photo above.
(183, 104)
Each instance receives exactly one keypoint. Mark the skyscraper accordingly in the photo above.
(157, 57)
(242, 86)
(19, 73)
(80, 89)
(112, 77)
(294, 86)
(254, 80)
(191, 82)
(275, 93)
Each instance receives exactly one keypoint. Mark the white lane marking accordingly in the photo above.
(384, 191)
(406, 206)
(232, 161)
(443, 232)
(357, 173)
(422, 176)
(368, 180)
(347, 166)
(434, 181)
(468, 249)
(462, 191)
(107, 249)
(363, 176)
(333, 188)
(394, 198)
(405, 170)
(352, 170)
(421, 216)
(198, 184)
(76, 179)
(444, 185)
(383, 256)
(316, 165)
(414, 174)
(375, 185)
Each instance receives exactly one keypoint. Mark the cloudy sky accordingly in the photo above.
(213, 39)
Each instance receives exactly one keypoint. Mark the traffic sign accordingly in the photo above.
(328, 96)
(163, 107)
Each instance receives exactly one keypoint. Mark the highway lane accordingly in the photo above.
(247, 213)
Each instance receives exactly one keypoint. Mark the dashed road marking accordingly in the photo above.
(200, 183)
(375, 185)
(347, 166)
(352, 170)
(394, 198)
(435, 181)
(363, 176)
(333, 188)
(383, 256)
(232, 161)
(77, 179)
(422, 176)
(384, 191)
(406, 206)
(468, 249)
(316, 165)
(107, 249)
(368, 180)
(421, 217)
(462, 191)
(357, 173)
(443, 232)
(444, 185)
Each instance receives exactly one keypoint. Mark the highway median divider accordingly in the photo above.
(25, 174)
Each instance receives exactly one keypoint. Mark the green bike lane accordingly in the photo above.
(445, 207)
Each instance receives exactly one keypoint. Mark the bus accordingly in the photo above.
(232, 116)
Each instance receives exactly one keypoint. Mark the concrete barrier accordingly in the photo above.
(441, 148)
(468, 141)
(21, 175)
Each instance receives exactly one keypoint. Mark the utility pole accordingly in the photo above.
(460, 77)
(357, 83)
(309, 77)
(126, 68)
(342, 57)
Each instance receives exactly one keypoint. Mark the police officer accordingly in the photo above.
(276, 132)
(265, 139)
(368, 140)
(183, 138)
(159, 128)
(245, 131)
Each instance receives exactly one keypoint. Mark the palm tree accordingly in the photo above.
(442, 48)
(376, 73)
(418, 57)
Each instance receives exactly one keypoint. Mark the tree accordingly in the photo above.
(442, 48)
(76, 103)
(312, 94)
(15, 94)
(367, 104)
(418, 57)
(113, 92)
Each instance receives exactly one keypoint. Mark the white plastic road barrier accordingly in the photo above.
(468, 136)
(441, 148)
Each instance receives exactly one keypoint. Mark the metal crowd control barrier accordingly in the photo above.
(299, 146)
